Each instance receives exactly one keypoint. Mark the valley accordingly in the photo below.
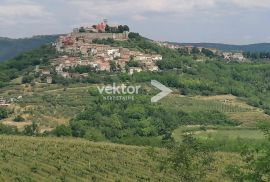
(56, 123)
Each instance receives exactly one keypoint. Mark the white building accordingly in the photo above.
(153, 68)
(133, 70)
(238, 56)
(112, 51)
(157, 57)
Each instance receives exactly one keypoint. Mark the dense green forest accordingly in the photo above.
(9, 48)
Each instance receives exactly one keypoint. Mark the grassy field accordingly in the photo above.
(231, 106)
(226, 139)
(231, 134)
(57, 159)
(63, 159)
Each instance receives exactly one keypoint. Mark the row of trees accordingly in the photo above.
(257, 55)
(119, 29)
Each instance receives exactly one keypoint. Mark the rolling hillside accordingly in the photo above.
(9, 48)
(211, 98)
(261, 47)
(66, 159)
(54, 159)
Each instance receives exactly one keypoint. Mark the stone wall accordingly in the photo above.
(88, 37)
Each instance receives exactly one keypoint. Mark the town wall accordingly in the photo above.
(91, 36)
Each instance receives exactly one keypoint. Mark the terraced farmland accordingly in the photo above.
(191, 104)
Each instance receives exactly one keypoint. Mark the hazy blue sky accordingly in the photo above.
(224, 21)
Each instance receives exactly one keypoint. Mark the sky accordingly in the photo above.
(217, 21)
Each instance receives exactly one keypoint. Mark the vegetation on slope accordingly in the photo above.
(51, 159)
(24, 63)
(73, 108)
(10, 48)
(262, 47)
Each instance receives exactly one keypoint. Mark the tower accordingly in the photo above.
(105, 21)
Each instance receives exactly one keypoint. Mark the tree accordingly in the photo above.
(113, 66)
(62, 130)
(8, 130)
(31, 129)
(189, 159)
(257, 161)
(93, 134)
(3, 113)
(183, 51)
(133, 63)
(133, 35)
(207, 52)
(27, 79)
(195, 50)
(125, 28)
(120, 29)
(81, 30)
(107, 29)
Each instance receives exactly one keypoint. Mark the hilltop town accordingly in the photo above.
(78, 49)
(82, 50)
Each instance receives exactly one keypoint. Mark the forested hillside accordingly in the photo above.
(9, 48)
(261, 47)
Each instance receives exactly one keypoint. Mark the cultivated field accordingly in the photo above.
(57, 159)
(62, 159)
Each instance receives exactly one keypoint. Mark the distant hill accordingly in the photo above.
(9, 48)
(262, 47)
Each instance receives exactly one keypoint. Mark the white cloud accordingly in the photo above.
(190, 17)
(139, 18)
(24, 12)
(136, 9)
(252, 4)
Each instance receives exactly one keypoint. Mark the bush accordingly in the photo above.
(3, 113)
(93, 134)
(27, 79)
(62, 130)
(8, 130)
(18, 119)
(31, 130)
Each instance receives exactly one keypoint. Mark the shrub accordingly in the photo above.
(93, 134)
(62, 130)
(3, 113)
(27, 79)
(5, 129)
(18, 119)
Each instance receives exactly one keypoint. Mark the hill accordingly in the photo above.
(211, 98)
(9, 48)
(261, 47)
(55, 159)
(67, 159)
